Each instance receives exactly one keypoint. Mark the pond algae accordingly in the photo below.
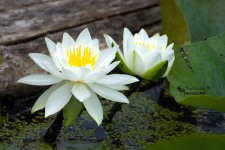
(140, 123)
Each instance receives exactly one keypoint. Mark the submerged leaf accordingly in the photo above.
(72, 110)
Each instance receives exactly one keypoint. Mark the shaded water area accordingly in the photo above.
(148, 118)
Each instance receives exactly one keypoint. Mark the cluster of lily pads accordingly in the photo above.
(79, 71)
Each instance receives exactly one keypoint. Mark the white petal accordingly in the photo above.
(61, 55)
(117, 79)
(95, 46)
(82, 72)
(80, 91)
(142, 51)
(94, 107)
(152, 59)
(39, 58)
(70, 75)
(51, 68)
(128, 50)
(118, 87)
(38, 79)
(103, 55)
(106, 56)
(138, 65)
(108, 93)
(67, 42)
(126, 34)
(110, 67)
(143, 35)
(58, 99)
(94, 76)
(168, 55)
(163, 41)
(84, 37)
(109, 41)
(170, 47)
(169, 67)
(51, 46)
(41, 101)
(52, 50)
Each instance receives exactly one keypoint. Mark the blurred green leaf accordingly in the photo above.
(72, 110)
(197, 77)
(0, 57)
(205, 18)
(192, 142)
(174, 23)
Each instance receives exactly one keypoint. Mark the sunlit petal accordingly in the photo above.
(58, 99)
(41, 101)
(80, 91)
(38, 79)
(108, 93)
(94, 107)
(117, 79)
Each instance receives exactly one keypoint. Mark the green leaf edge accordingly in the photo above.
(122, 65)
(156, 72)
(205, 101)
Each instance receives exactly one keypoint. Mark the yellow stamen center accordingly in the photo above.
(81, 56)
(148, 45)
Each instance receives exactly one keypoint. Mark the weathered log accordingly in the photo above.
(27, 20)
(16, 44)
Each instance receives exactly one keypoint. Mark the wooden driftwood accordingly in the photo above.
(25, 23)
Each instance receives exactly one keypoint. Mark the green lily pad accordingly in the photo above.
(72, 110)
(205, 18)
(174, 23)
(193, 142)
(156, 72)
(197, 77)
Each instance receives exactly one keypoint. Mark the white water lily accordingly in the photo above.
(147, 57)
(78, 68)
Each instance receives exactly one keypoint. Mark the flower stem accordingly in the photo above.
(1, 119)
(54, 129)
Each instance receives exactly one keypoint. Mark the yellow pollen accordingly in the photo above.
(150, 47)
(81, 56)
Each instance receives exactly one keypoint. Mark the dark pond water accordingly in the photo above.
(148, 118)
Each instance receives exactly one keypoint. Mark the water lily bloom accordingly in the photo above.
(147, 57)
(78, 68)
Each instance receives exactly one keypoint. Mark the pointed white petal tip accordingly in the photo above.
(99, 122)
(65, 34)
(48, 41)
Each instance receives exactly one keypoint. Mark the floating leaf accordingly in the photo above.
(205, 18)
(197, 77)
(72, 110)
(194, 142)
(174, 23)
